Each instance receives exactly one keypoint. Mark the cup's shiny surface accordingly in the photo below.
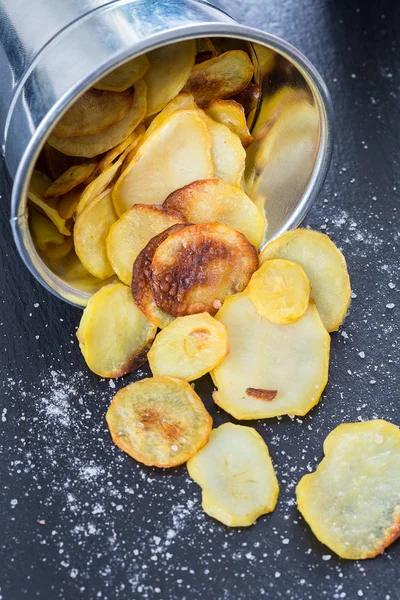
(52, 50)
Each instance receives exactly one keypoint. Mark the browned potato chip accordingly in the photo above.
(70, 179)
(56, 163)
(141, 290)
(193, 270)
(159, 421)
(124, 76)
(249, 97)
(133, 230)
(97, 143)
(220, 77)
(93, 112)
(231, 114)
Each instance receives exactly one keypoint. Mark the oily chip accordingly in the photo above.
(325, 267)
(124, 76)
(271, 369)
(68, 203)
(114, 335)
(231, 114)
(37, 187)
(352, 500)
(236, 475)
(189, 347)
(193, 270)
(70, 179)
(159, 421)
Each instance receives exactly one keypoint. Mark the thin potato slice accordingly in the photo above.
(68, 203)
(102, 182)
(114, 335)
(271, 369)
(44, 232)
(125, 76)
(189, 347)
(37, 187)
(227, 152)
(56, 163)
(236, 475)
(193, 270)
(220, 77)
(170, 67)
(280, 291)
(58, 251)
(115, 153)
(231, 114)
(141, 290)
(93, 112)
(325, 267)
(176, 153)
(249, 98)
(97, 143)
(213, 200)
(90, 233)
(352, 500)
(182, 101)
(159, 421)
(130, 234)
(73, 177)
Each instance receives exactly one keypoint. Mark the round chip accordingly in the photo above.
(325, 267)
(196, 268)
(69, 202)
(231, 114)
(280, 291)
(189, 347)
(236, 475)
(71, 178)
(213, 200)
(93, 112)
(130, 234)
(352, 500)
(114, 335)
(141, 290)
(271, 369)
(159, 421)
(124, 76)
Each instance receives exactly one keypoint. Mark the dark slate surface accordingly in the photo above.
(81, 520)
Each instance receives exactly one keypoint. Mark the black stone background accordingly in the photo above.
(79, 519)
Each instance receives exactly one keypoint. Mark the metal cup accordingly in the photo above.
(53, 50)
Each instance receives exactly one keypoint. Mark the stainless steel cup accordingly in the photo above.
(53, 50)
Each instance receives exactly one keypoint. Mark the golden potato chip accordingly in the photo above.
(44, 232)
(141, 290)
(130, 234)
(176, 153)
(37, 187)
(205, 49)
(220, 77)
(183, 101)
(93, 112)
(114, 335)
(325, 267)
(170, 67)
(249, 98)
(231, 114)
(90, 232)
(271, 369)
(58, 251)
(273, 106)
(124, 76)
(236, 475)
(352, 500)
(189, 347)
(97, 143)
(193, 270)
(280, 291)
(213, 200)
(73, 177)
(113, 154)
(68, 203)
(57, 163)
(159, 421)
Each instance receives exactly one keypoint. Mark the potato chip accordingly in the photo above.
(177, 152)
(124, 76)
(220, 77)
(271, 369)
(114, 335)
(57, 163)
(93, 112)
(236, 475)
(159, 421)
(231, 114)
(170, 67)
(73, 177)
(90, 232)
(130, 234)
(273, 106)
(141, 290)
(59, 251)
(183, 101)
(325, 267)
(352, 500)
(113, 154)
(205, 46)
(280, 291)
(44, 232)
(67, 203)
(213, 200)
(189, 347)
(37, 187)
(102, 182)
(249, 98)
(193, 270)
(97, 143)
